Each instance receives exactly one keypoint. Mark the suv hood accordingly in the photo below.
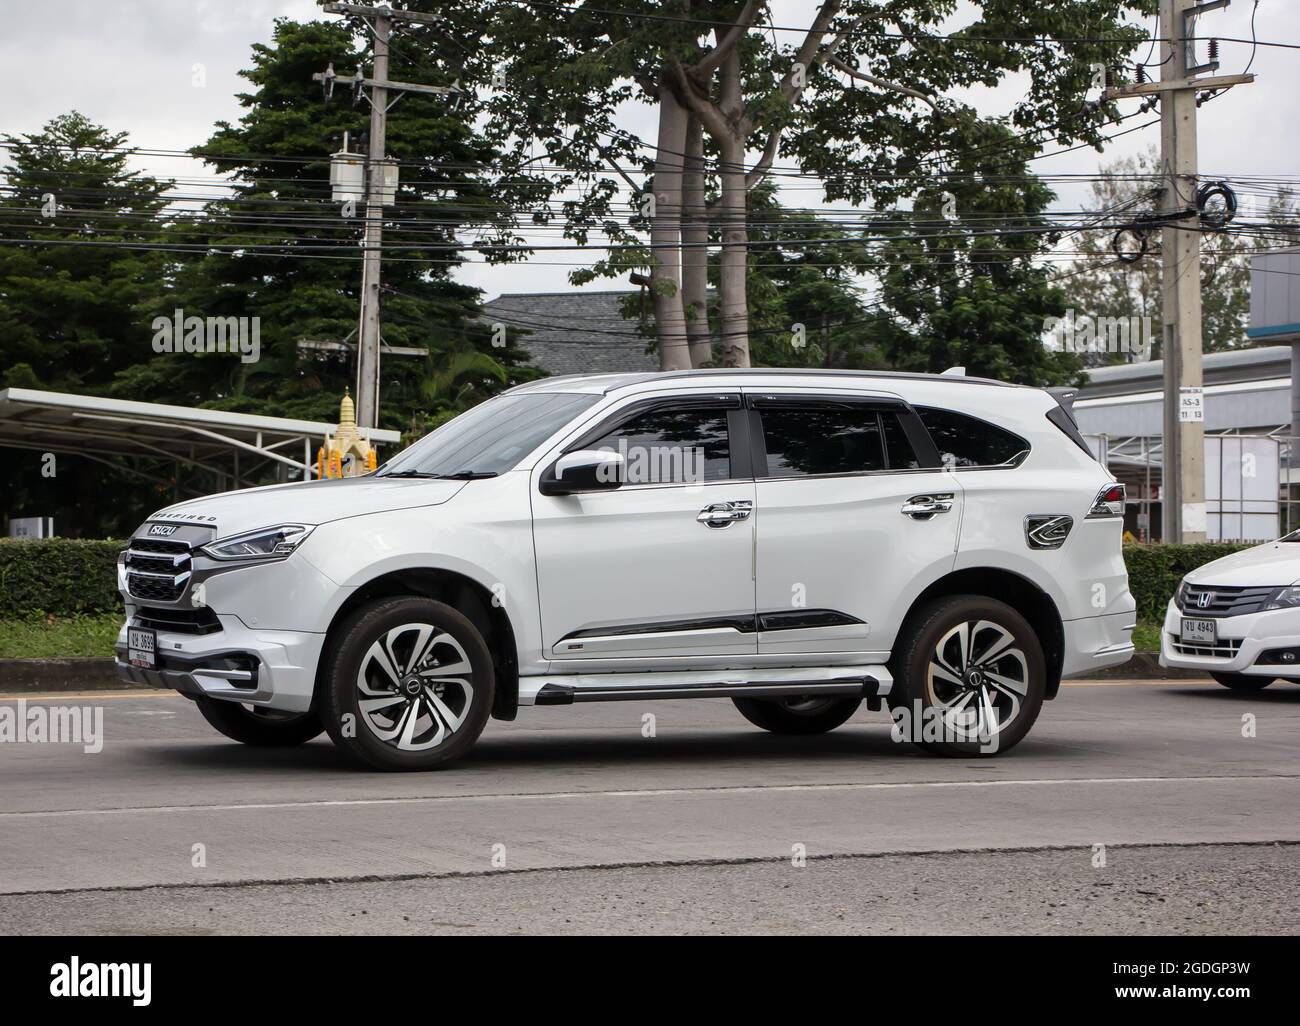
(312, 502)
(1275, 564)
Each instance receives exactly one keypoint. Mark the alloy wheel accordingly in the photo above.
(415, 687)
(977, 677)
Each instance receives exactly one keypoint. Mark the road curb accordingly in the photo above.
(1145, 666)
(81, 673)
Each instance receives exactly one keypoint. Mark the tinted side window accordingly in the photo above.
(821, 438)
(673, 446)
(969, 442)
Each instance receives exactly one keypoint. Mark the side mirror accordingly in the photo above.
(587, 470)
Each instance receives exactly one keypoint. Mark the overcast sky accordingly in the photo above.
(130, 65)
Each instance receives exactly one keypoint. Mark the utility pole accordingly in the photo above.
(381, 187)
(1183, 470)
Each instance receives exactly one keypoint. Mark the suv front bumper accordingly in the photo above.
(271, 668)
(1242, 640)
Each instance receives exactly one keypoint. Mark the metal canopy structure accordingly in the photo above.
(237, 449)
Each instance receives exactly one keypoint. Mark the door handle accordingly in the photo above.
(720, 514)
(923, 507)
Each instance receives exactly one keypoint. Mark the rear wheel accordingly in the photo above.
(798, 714)
(263, 728)
(1242, 682)
(969, 677)
(409, 685)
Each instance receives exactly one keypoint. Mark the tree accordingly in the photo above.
(960, 294)
(69, 283)
(74, 269)
(279, 250)
(564, 75)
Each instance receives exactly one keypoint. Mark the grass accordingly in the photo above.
(50, 637)
(1146, 636)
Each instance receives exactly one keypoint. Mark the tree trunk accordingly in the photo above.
(695, 248)
(734, 319)
(665, 235)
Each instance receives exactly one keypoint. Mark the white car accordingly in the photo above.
(1238, 618)
(795, 541)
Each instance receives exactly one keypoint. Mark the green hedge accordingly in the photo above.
(1155, 570)
(64, 576)
(61, 576)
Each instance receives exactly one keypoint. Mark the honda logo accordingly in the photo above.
(1204, 600)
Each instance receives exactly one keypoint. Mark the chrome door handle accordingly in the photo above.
(720, 514)
(923, 507)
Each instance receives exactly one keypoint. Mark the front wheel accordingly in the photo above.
(262, 728)
(1242, 681)
(969, 677)
(799, 714)
(408, 686)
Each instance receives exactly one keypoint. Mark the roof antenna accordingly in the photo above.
(954, 372)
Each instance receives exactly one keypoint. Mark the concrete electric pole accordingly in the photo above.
(1184, 402)
(381, 188)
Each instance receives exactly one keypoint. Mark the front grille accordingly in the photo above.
(156, 570)
(178, 621)
(1226, 648)
(1223, 601)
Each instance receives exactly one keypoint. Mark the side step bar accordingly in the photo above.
(858, 686)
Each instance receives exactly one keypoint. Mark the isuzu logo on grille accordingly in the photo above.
(1204, 600)
(162, 529)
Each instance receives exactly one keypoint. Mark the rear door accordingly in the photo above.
(658, 572)
(856, 516)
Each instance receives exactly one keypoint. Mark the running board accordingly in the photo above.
(624, 687)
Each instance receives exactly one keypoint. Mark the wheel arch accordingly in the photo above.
(459, 591)
(1017, 591)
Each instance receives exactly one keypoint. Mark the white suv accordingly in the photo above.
(1238, 618)
(795, 541)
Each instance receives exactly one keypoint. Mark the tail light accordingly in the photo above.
(1109, 503)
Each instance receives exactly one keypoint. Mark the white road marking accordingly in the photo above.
(670, 792)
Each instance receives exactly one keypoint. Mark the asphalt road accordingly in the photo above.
(570, 820)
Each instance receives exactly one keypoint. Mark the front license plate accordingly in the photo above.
(1200, 632)
(142, 647)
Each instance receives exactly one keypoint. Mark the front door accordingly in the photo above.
(659, 572)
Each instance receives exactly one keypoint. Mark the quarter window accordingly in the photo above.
(965, 441)
(673, 445)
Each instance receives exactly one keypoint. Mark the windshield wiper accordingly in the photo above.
(460, 475)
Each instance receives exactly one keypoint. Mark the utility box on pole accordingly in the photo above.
(347, 176)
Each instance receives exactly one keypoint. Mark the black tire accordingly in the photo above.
(918, 695)
(262, 728)
(449, 713)
(1242, 682)
(798, 714)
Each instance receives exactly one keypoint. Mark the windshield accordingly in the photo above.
(489, 439)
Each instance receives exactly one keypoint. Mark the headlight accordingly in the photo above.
(1284, 598)
(267, 543)
(1180, 593)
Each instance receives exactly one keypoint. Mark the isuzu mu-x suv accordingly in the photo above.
(798, 542)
